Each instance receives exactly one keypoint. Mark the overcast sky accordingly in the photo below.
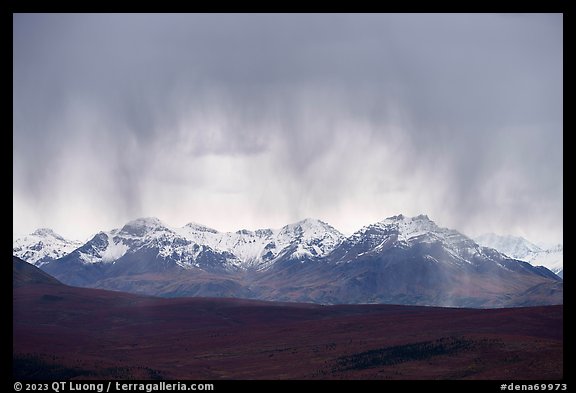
(253, 121)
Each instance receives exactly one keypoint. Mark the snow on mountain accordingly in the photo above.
(148, 235)
(412, 260)
(400, 260)
(143, 227)
(513, 246)
(196, 245)
(552, 258)
(421, 228)
(42, 246)
(519, 248)
(103, 248)
(186, 246)
(309, 238)
(314, 238)
(405, 232)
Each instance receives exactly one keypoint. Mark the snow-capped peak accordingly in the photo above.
(513, 246)
(46, 232)
(42, 246)
(407, 228)
(303, 240)
(314, 238)
(422, 218)
(315, 224)
(401, 231)
(519, 248)
(260, 248)
(147, 222)
(199, 227)
(311, 222)
(141, 226)
(309, 226)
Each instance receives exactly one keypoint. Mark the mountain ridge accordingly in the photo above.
(520, 248)
(43, 245)
(399, 260)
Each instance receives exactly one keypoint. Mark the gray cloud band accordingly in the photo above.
(313, 113)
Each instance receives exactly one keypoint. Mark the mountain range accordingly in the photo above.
(517, 247)
(43, 245)
(400, 260)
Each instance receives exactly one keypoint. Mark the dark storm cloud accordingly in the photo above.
(468, 106)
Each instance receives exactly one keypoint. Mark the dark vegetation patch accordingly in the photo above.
(32, 366)
(403, 353)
